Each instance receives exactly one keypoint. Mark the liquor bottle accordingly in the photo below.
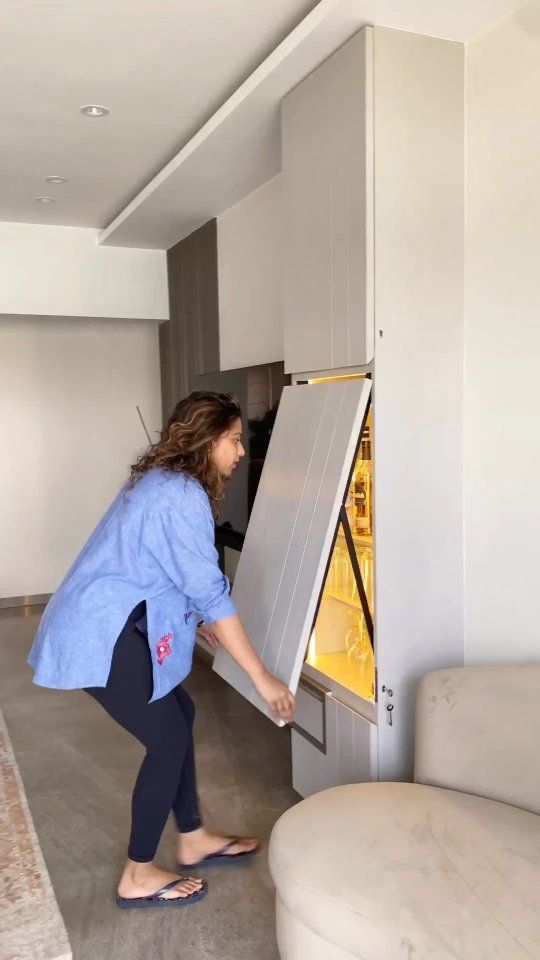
(363, 489)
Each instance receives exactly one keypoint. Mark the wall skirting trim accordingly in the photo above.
(37, 600)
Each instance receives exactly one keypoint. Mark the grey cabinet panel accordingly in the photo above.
(292, 526)
(167, 401)
(204, 298)
(190, 344)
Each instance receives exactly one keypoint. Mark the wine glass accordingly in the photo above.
(352, 636)
(359, 651)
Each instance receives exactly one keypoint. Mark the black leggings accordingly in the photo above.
(166, 779)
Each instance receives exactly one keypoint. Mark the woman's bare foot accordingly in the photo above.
(144, 879)
(195, 846)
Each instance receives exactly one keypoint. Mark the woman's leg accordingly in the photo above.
(162, 728)
(195, 841)
(186, 803)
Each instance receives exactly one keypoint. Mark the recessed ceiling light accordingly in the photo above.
(56, 179)
(93, 110)
(44, 199)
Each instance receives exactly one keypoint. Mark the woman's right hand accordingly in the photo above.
(278, 697)
(233, 638)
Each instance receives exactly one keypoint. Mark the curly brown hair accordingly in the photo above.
(185, 445)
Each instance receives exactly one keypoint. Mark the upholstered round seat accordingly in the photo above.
(391, 871)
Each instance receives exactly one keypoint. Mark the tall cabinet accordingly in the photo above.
(327, 151)
(350, 580)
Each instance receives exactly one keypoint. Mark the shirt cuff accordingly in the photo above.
(222, 607)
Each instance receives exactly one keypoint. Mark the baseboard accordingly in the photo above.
(39, 599)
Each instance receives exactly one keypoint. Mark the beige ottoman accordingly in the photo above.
(385, 871)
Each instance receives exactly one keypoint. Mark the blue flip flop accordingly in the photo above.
(222, 855)
(158, 900)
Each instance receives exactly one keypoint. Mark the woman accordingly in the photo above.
(122, 626)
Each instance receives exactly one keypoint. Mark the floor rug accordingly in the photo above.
(31, 927)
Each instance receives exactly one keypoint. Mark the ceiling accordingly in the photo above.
(163, 67)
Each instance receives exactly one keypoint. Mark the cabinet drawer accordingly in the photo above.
(350, 754)
(310, 717)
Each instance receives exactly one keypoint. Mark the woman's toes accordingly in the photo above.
(246, 846)
(186, 888)
(194, 884)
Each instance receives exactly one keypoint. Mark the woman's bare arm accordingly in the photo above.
(233, 638)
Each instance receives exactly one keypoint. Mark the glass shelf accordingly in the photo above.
(341, 597)
(337, 666)
(366, 542)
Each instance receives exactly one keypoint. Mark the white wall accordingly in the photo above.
(250, 279)
(502, 384)
(68, 392)
(61, 271)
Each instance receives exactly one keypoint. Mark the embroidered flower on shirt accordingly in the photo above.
(163, 647)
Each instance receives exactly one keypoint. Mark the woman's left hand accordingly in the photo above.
(205, 632)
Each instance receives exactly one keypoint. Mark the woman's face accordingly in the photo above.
(228, 450)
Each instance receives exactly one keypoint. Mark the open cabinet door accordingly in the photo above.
(290, 535)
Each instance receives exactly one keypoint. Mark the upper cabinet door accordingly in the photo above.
(292, 526)
(327, 144)
(250, 273)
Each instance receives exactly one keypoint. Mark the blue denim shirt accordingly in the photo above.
(155, 543)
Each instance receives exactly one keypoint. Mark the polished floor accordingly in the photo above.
(78, 768)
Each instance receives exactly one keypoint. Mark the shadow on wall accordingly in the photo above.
(527, 19)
